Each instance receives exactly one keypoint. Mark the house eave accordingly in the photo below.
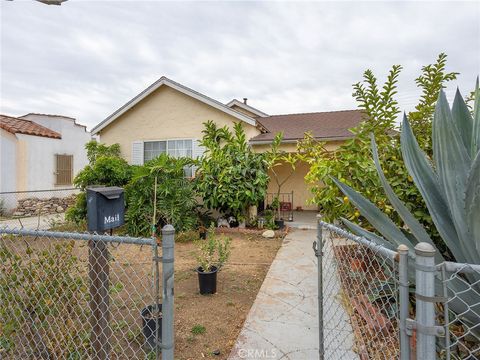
(294, 141)
(247, 107)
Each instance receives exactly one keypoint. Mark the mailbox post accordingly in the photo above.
(105, 211)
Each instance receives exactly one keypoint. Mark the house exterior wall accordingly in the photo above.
(38, 157)
(296, 183)
(8, 161)
(165, 114)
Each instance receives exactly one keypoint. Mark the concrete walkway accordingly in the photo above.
(33, 222)
(283, 321)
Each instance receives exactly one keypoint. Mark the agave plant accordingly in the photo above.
(450, 186)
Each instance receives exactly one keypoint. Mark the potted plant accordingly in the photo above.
(152, 325)
(212, 254)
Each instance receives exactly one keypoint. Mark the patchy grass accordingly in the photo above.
(198, 329)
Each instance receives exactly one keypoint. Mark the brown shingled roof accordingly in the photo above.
(323, 125)
(27, 127)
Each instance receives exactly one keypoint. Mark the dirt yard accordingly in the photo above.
(205, 326)
(221, 314)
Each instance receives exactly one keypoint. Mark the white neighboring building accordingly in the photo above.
(40, 152)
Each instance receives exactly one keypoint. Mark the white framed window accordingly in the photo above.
(174, 148)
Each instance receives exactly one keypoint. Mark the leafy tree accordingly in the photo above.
(431, 81)
(352, 161)
(174, 197)
(106, 168)
(96, 150)
(231, 176)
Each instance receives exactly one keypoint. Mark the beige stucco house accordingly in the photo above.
(168, 117)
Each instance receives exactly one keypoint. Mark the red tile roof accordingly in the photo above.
(27, 127)
(323, 125)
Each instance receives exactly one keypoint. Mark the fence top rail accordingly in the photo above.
(36, 191)
(463, 268)
(379, 249)
(77, 236)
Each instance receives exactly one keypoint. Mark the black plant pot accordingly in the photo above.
(207, 281)
(203, 235)
(280, 223)
(150, 325)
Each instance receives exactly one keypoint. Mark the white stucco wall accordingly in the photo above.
(8, 160)
(39, 158)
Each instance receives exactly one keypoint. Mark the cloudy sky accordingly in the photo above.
(86, 58)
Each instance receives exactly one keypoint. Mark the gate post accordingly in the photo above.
(99, 299)
(403, 300)
(168, 249)
(318, 250)
(424, 295)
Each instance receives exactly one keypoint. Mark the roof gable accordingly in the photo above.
(21, 126)
(164, 81)
(246, 107)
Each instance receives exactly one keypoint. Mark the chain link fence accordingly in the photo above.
(83, 296)
(459, 311)
(378, 303)
(360, 299)
(40, 209)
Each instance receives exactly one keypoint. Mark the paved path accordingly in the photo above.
(33, 222)
(283, 322)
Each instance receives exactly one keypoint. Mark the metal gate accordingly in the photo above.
(378, 302)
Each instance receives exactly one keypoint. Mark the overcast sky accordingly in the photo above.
(84, 59)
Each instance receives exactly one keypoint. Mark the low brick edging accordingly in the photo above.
(239, 230)
(34, 206)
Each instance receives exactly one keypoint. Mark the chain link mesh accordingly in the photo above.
(71, 299)
(360, 290)
(460, 313)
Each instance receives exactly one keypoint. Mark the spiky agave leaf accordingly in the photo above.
(452, 163)
(368, 234)
(462, 120)
(378, 219)
(451, 193)
(426, 180)
(475, 143)
(415, 227)
(472, 202)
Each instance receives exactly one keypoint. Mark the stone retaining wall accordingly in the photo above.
(34, 206)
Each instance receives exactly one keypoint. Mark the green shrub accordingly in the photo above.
(450, 187)
(176, 196)
(352, 161)
(106, 168)
(231, 176)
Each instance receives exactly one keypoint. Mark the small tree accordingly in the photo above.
(231, 176)
(174, 199)
(277, 158)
